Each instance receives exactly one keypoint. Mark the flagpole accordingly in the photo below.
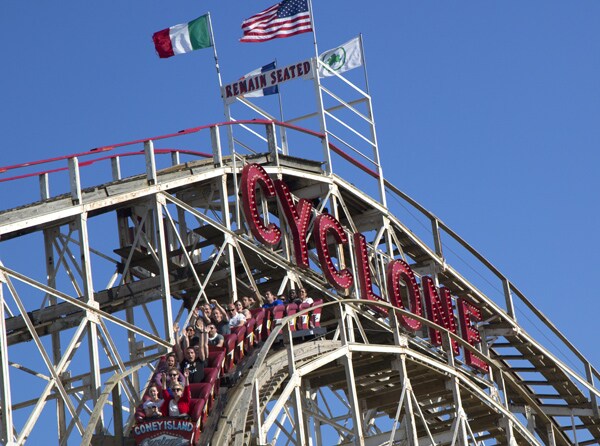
(320, 106)
(314, 30)
(227, 113)
(214, 45)
(284, 145)
(373, 131)
(364, 62)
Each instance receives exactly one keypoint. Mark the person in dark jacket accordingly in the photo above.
(193, 366)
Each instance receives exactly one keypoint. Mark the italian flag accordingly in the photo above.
(184, 38)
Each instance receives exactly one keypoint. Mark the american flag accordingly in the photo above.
(285, 19)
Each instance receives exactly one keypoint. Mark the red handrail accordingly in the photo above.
(111, 147)
(90, 162)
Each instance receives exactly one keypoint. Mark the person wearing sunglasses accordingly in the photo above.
(178, 405)
(214, 338)
(235, 318)
(174, 376)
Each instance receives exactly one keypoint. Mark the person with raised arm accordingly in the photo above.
(183, 340)
(196, 336)
(218, 307)
(202, 335)
(202, 312)
(178, 405)
(193, 365)
(220, 319)
(174, 376)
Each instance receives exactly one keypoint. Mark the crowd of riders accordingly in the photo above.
(200, 355)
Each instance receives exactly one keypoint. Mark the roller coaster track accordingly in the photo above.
(180, 238)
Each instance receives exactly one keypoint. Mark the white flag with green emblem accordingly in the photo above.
(342, 58)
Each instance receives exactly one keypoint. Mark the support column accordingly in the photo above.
(125, 240)
(353, 400)
(272, 143)
(410, 425)
(510, 306)
(92, 327)
(508, 424)
(308, 400)
(551, 439)
(322, 121)
(258, 416)
(117, 414)
(461, 419)
(49, 236)
(226, 218)
(225, 212)
(6, 422)
(161, 246)
(349, 369)
(437, 239)
(297, 398)
(590, 379)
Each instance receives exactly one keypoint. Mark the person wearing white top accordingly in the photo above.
(235, 319)
(305, 299)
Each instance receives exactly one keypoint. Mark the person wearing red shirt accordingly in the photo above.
(178, 405)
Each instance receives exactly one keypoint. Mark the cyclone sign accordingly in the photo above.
(327, 231)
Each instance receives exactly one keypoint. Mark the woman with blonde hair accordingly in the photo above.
(178, 405)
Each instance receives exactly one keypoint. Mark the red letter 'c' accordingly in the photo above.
(253, 174)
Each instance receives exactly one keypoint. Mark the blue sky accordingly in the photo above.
(487, 112)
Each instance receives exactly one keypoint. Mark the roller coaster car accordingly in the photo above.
(230, 344)
(302, 323)
(240, 332)
(249, 341)
(258, 315)
(290, 310)
(216, 359)
(172, 431)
